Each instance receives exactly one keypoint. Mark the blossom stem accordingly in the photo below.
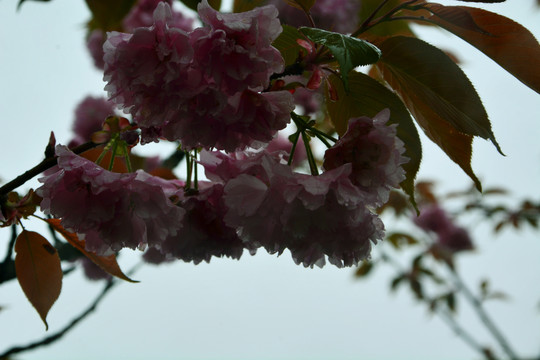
(113, 154)
(195, 177)
(296, 136)
(126, 157)
(311, 158)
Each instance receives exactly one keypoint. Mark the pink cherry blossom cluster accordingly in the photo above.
(210, 88)
(450, 237)
(200, 87)
(140, 15)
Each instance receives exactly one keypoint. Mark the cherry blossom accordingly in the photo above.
(110, 210)
(376, 155)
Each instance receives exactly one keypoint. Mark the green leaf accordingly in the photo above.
(350, 52)
(367, 97)
(508, 43)
(287, 45)
(439, 95)
(108, 15)
(39, 271)
(303, 5)
(192, 4)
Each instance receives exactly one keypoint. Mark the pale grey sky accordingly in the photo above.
(262, 307)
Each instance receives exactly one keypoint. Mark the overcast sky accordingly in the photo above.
(263, 307)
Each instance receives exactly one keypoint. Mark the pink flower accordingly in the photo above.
(235, 51)
(90, 115)
(432, 218)
(450, 236)
(110, 210)
(375, 153)
(204, 233)
(455, 239)
(149, 72)
(94, 44)
(315, 217)
(230, 123)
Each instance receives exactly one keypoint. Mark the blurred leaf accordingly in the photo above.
(23, 1)
(192, 4)
(399, 239)
(396, 201)
(396, 281)
(451, 301)
(39, 271)
(439, 95)
(508, 43)
(349, 52)
(287, 45)
(367, 97)
(107, 263)
(246, 5)
(364, 269)
(108, 15)
(416, 288)
(303, 5)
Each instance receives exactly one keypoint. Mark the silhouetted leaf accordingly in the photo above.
(192, 4)
(386, 28)
(451, 301)
(23, 1)
(107, 263)
(108, 15)
(303, 5)
(349, 52)
(396, 281)
(439, 95)
(246, 5)
(39, 271)
(508, 43)
(367, 97)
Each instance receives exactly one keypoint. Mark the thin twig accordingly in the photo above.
(483, 315)
(47, 163)
(58, 335)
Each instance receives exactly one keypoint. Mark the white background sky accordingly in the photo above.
(263, 307)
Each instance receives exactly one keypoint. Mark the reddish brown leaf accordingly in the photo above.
(38, 270)
(508, 43)
(107, 263)
(438, 94)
